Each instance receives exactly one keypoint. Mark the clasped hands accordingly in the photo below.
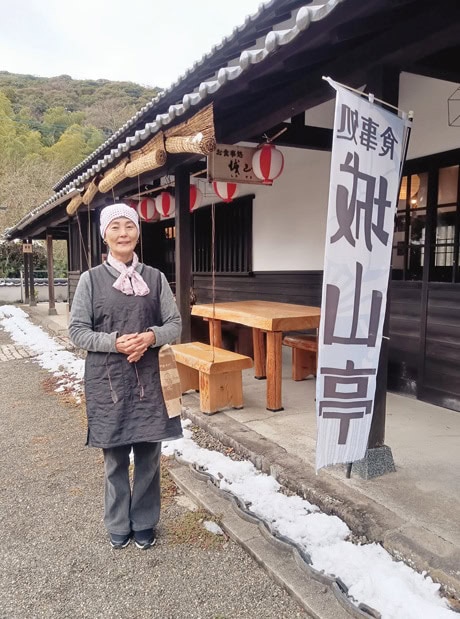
(134, 345)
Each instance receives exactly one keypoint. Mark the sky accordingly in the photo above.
(372, 576)
(148, 42)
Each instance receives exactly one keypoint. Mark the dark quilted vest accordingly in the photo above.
(125, 406)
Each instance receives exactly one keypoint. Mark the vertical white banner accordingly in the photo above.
(368, 146)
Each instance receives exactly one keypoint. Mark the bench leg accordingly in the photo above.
(219, 391)
(303, 364)
(189, 378)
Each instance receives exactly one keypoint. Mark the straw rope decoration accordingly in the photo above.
(73, 205)
(196, 135)
(90, 193)
(113, 176)
(149, 157)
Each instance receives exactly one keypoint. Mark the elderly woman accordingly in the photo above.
(122, 312)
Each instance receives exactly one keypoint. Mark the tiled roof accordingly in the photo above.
(304, 17)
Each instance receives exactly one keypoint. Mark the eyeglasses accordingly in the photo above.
(113, 393)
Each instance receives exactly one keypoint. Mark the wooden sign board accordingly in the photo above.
(27, 248)
(232, 164)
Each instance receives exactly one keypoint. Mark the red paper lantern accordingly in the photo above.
(267, 163)
(196, 197)
(165, 204)
(146, 209)
(226, 191)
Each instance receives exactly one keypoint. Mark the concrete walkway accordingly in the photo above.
(414, 512)
(56, 562)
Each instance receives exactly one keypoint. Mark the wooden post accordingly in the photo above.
(49, 254)
(384, 83)
(32, 300)
(183, 250)
(377, 431)
(26, 278)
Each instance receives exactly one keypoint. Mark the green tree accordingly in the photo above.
(74, 145)
(56, 121)
(16, 139)
(12, 260)
(109, 114)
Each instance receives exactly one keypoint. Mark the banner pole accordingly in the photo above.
(369, 95)
(361, 230)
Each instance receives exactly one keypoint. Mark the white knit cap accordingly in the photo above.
(114, 211)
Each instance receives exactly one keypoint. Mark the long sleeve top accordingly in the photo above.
(81, 317)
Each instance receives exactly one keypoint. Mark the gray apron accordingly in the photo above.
(124, 401)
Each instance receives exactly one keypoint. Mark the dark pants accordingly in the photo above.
(128, 510)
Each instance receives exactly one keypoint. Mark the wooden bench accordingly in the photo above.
(214, 372)
(304, 354)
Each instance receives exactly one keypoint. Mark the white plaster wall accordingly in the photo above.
(322, 115)
(428, 99)
(15, 294)
(289, 218)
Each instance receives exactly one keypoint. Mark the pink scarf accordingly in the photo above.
(129, 281)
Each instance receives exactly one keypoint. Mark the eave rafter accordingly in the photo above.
(398, 47)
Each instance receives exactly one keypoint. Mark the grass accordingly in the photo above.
(188, 528)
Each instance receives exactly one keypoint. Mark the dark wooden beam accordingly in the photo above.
(402, 45)
(384, 84)
(435, 30)
(32, 299)
(298, 121)
(37, 228)
(26, 277)
(49, 254)
(183, 250)
(296, 136)
(449, 73)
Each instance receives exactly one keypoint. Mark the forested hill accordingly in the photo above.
(106, 105)
(49, 125)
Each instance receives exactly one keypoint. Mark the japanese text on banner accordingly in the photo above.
(365, 172)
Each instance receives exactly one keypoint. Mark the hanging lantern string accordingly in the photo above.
(90, 252)
(213, 263)
(82, 243)
(140, 221)
(213, 269)
(270, 140)
(140, 193)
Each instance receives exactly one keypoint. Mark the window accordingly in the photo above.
(410, 228)
(232, 238)
(445, 224)
(427, 224)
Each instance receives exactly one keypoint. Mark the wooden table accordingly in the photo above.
(268, 320)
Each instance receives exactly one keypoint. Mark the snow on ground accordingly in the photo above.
(50, 355)
(372, 576)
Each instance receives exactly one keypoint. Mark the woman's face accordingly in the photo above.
(121, 237)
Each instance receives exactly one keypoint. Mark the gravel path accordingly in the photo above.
(55, 559)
